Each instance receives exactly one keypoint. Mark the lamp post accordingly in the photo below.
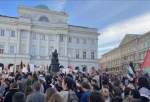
(14, 63)
(69, 56)
(15, 53)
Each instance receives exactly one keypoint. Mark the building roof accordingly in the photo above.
(82, 27)
(8, 16)
(128, 38)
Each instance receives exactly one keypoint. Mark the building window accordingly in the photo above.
(77, 40)
(70, 39)
(42, 37)
(42, 51)
(84, 41)
(23, 47)
(92, 55)
(34, 36)
(61, 38)
(12, 33)
(12, 49)
(92, 41)
(77, 54)
(70, 50)
(1, 49)
(33, 50)
(61, 51)
(2, 32)
(23, 34)
(43, 19)
(51, 50)
(84, 54)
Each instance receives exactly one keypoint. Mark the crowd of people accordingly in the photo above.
(73, 87)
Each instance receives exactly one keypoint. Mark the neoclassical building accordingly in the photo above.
(131, 49)
(37, 31)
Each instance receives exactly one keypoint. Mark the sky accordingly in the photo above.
(113, 18)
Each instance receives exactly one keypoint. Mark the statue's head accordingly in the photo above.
(55, 51)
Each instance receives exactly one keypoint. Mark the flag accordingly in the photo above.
(21, 65)
(28, 68)
(130, 71)
(146, 64)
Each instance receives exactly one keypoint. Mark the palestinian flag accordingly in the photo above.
(146, 64)
(130, 71)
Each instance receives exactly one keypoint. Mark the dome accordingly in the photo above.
(42, 7)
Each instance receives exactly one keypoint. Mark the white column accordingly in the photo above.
(18, 34)
(57, 43)
(28, 43)
(66, 45)
(7, 43)
(38, 45)
(6, 49)
(47, 45)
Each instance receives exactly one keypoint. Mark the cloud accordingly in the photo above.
(115, 33)
(103, 50)
(58, 5)
(61, 4)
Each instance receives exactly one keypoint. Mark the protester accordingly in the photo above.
(34, 77)
(96, 97)
(68, 94)
(42, 80)
(11, 92)
(2, 87)
(106, 94)
(1, 99)
(28, 83)
(144, 89)
(36, 96)
(20, 83)
(49, 93)
(18, 97)
(75, 86)
(117, 99)
(57, 98)
(86, 92)
(7, 83)
(28, 91)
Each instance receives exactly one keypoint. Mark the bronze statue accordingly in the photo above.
(54, 67)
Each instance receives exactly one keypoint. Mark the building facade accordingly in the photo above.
(37, 32)
(132, 49)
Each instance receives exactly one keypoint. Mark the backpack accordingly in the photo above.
(72, 97)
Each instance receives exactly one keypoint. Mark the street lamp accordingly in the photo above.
(69, 56)
(15, 53)
(14, 63)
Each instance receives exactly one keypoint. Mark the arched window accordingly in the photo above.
(43, 19)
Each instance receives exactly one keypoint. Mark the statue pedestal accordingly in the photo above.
(55, 68)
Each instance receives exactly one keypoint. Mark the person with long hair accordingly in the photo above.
(96, 97)
(56, 98)
(13, 89)
(49, 92)
(68, 93)
(18, 97)
(36, 95)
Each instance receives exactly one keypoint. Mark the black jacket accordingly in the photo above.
(9, 95)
